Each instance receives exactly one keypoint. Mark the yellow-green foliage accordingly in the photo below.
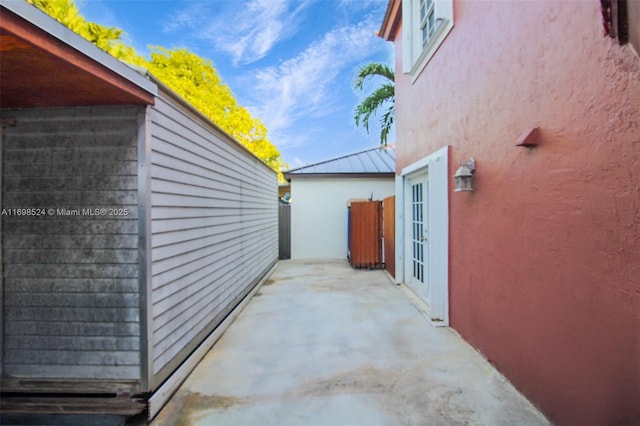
(197, 81)
(106, 38)
(187, 74)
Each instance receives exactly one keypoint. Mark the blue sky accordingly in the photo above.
(290, 62)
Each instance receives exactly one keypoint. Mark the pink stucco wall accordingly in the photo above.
(545, 254)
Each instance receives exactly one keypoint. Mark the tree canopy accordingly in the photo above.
(197, 81)
(190, 76)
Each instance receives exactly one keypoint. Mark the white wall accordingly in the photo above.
(319, 213)
(214, 225)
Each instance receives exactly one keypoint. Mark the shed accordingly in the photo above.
(132, 226)
(321, 192)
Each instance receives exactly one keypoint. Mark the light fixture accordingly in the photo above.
(464, 175)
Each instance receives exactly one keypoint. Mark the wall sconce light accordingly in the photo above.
(464, 175)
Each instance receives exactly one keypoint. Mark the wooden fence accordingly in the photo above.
(284, 231)
(372, 235)
(365, 235)
(389, 234)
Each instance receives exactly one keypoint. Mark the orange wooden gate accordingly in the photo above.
(389, 234)
(365, 234)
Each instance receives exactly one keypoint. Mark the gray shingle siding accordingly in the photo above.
(71, 300)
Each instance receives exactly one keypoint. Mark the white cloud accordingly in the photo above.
(191, 17)
(305, 86)
(247, 30)
(248, 33)
(297, 162)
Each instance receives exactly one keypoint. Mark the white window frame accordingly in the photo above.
(416, 52)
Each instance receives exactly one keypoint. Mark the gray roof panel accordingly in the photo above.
(371, 161)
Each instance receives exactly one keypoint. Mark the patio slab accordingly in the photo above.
(323, 344)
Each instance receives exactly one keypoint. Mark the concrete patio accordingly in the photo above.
(323, 344)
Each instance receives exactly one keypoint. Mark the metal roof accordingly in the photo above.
(373, 161)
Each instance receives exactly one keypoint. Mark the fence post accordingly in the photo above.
(284, 231)
(389, 234)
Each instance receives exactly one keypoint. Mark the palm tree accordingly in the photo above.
(383, 96)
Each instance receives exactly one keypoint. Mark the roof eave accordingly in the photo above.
(39, 32)
(391, 20)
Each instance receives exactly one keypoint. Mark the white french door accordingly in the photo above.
(422, 232)
(417, 235)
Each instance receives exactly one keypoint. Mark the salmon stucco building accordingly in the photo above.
(538, 265)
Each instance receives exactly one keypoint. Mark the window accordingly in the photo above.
(427, 23)
(633, 20)
(427, 20)
(621, 20)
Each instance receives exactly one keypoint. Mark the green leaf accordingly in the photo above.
(372, 104)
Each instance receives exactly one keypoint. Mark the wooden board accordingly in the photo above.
(389, 234)
(365, 234)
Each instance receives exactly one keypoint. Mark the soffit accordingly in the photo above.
(37, 70)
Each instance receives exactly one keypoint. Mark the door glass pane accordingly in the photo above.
(417, 231)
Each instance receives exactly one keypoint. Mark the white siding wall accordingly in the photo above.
(214, 224)
(319, 213)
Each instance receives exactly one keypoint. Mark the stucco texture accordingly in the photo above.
(545, 254)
